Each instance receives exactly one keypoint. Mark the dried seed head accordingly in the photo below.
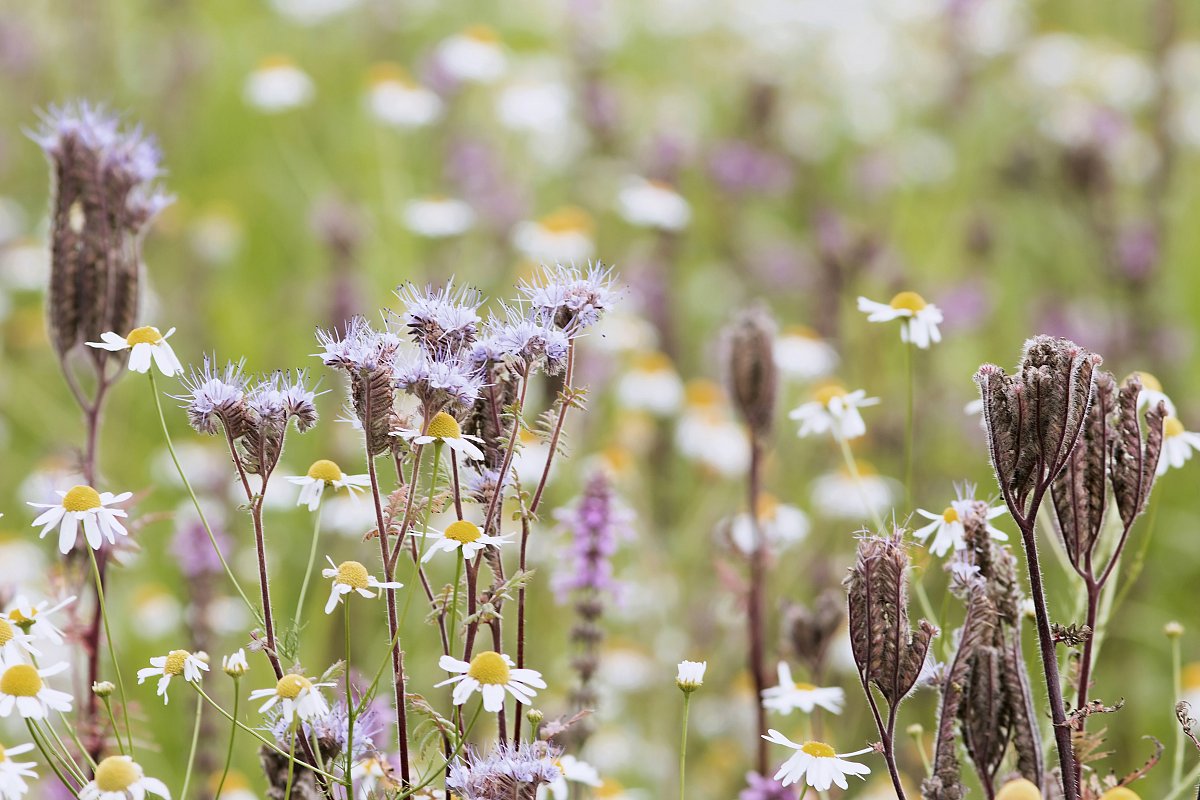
(751, 373)
(1079, 492)
(810, 631)
(1134, 457)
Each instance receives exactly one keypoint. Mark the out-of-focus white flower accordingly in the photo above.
(35, 617)
(530, 459)
(278, 85)
(564, 236)
(789, 695)
(1152, 393)
(803, 355)
(709, 433)
(574, 771)
(145, 344)
(919, 320)
(176, 662)
(652, 385)
(689, 675)
(653, 204)
(833, 410)
(782, 526)
(438, 217)
(15, 643)
(1178, 445)
(837, 495)
(491, 674)
(83, 504)
(817, 764)
(534, 106)
(475, 56)
(312, 12)
(157, 612)
(395, 99)
(370, 773)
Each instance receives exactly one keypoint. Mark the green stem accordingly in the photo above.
(349, 706)
(1187, 784)
(909, 430)
(187, 775)
(75, 738)
(111, 650)
(287, 792)
(63, 753)
(41, 746)
(237, 696)
(687, 702)
(378, 674)
(412, 578)
(312, 557)
(113, 719)
(195, 500)
(852, 468)
(458, 570)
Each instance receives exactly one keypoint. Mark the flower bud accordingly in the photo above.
(103, 688)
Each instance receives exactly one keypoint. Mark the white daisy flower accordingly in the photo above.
(395, 99)
(122, 778)
(833, 410)
(445, 429)
(14, 773)
(1178, 445)
(782, 526)
(919, 319)
(802, 355)
(438, 217)
(370, 773)
(35, 617)
(277, 85)
(689, 675)
(351, 576)
(476, 55)
(176, 662)
(1152, 393)
(461, 535)
(947, 527)
(22, 687)
(565, 236)
(14, 642)
(817, 764)
(837, 495)
(653, 204)
(575, 771)
(490, 673)
(83, 504)
(322, 473)
(789, 695)
(235, 665)
(145, 344)
(298, 696)
(651, 385)
(709, 433)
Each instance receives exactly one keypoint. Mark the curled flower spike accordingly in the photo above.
(919, 319)
(490, 673)
(462, 535)
(14, 773)
(445, 429)
(297, 695)
(22, 689)
(789, 695)
(817, 764)
(322, 473)
(145, 344)
(833, 410)
(176, 662)
(351, 576)
(83, 504)
(120, 778)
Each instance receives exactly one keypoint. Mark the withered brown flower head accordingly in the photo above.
(751, 374)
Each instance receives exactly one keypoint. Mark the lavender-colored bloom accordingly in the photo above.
(569, 297)
(281, 398)
(482, 485)
(216, 395)
(524, 342)
(597, 521)
(191, 547)
(443, 321)
(740, 168)
(475, 170)
(439, 383)
(760, 787)
(359, 348)
(1138, 251)
(505, 773)
(332, 730)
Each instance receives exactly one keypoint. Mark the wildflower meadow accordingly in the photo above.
(599, 400)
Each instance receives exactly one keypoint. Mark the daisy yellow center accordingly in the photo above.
(1120, 793)
(489, 667)
(950, 515)
(444, 426)
(81, 498)
(652, 362)
(1191, 675)
(147, 334)
(567, 220)
(801, 332)
(826, 393)
(21, 680)
(390, 73)
(352, 574)
(818, 750)
(291, 685)
(767, 507)
(1149, 381)
(908, 301)
(804, 687)
(6, 632)
(1172, 427)
(116, 774)
(175, 662)
(325, 470)
(703, 394)
(16, 616)
(463, 532)
(3, 755)
(482, 33)
(1020, 789)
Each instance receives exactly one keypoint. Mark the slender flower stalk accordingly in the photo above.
(191, 762)
(237, 696)
(312, 558)
(350, 708)
(111, 650)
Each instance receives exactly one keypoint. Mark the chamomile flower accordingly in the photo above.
(833, 410)
(817, 764)
(35, 617)
(322, 473)
(476, 55)
(145, 344)
(653, 204)
(445, 429)
(651, 385)
(396, 100)
(689, 675)
(565, 236)
(176, 662)
(15, 642)
(839, 495)
(709, 432)
(802, 355)
(351, 576)
(14, 773)
(277, 85)
(297, 695)
(22, 688)
(1178, 445)
(789, 695)
(947, 527)
(1152, 393)
(438, 217)
(782, 525)
(83, 504)
(370, 773)
(235, 665)
(121, 778)
(575, 771)
(919, 320)
(461, 535)
(490, 673)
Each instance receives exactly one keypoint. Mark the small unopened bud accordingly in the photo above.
(1173, 629)
(916, 730)
(690, 676)
(103, 688)
(751, 373)
(535, 716)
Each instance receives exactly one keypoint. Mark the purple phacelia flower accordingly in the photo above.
(523, 342)
(597, 522)
(443, 321)
(506, 772)
(216, 395)
(740, 168)
(571, 298)
(438, 383)
(359, 348)
(760, 787)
